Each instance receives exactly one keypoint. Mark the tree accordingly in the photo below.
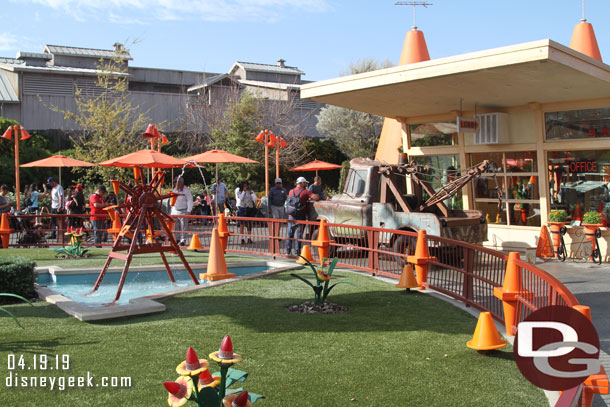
(355, 133)
(110, 123)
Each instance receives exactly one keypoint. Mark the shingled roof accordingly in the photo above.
(251, 66)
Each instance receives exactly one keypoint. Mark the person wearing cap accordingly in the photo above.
(182, 206)
(97, 203)
(277, 198)
(57, 202)
(295, 230)
(317, 188)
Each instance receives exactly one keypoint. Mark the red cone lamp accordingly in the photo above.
(151, 132)
(24, 134)
(8, 133)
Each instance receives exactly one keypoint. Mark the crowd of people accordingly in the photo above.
(247, 204)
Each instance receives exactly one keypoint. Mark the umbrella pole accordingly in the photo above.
(216, 172)
(59, 175)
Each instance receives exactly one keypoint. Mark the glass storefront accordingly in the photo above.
(579, 176)
(510, 195)
(433, 134)
(577, 124)
(439, 170)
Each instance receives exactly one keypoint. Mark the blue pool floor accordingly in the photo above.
(137, 284)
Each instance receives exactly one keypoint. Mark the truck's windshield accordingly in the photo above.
(356, 184)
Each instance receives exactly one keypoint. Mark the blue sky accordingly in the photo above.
(321, 37)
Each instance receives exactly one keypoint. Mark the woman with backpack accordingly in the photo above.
(296, 209)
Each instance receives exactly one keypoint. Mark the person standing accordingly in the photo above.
(317, 188)
(247, 207)
(182, 206)
(296, 230)
(5, 205)
(277, 199)
(33, 208)
(97, 203)
(220, 192)
(78, 206)
(57, 202)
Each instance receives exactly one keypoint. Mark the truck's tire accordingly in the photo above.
(402, 245)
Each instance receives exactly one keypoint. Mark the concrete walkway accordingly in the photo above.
(590, 283)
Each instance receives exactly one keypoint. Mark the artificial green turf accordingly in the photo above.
(46, 257)
(390, 349)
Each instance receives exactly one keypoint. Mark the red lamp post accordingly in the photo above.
(24, 136)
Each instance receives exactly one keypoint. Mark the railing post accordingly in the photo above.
(60, 228)
(509, 291)
(467, 290)
(273, 246)
(373, 257)
(421, 259)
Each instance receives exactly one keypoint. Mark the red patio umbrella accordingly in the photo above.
(58, 161)
(317, 165)
(219, 156)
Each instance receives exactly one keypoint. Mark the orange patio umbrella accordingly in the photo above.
(219, 156)
(317, 165)
(58, 161)
(146, 159)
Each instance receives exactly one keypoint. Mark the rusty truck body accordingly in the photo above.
(375, 195)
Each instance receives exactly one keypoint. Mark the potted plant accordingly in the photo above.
(403, 158)
(556, 220)
(592, 221)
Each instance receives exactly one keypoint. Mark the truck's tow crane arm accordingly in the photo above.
(436, 197)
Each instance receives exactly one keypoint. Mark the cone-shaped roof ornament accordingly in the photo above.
(414, 50)
(584, 41)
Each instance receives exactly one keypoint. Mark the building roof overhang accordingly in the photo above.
(540, 71)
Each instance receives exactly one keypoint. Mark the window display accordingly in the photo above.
(577, 124)
(433, 134)
(515, 182)
(579, 177)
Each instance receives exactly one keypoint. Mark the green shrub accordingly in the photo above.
(17, 276)
(592, 218)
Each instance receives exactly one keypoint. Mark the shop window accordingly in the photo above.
(433, 134)
(439, 170)
(510, 195)
(577, 124)
(579, 176)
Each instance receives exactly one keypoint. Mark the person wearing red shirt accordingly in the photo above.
(97, 203)
(294, 228)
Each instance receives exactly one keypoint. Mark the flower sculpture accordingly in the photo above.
(179, 391)
(75, 248)
(322, 287)
(196, 383)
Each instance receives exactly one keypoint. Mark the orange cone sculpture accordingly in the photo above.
(116, 223)
(421, 259)
(5, 230)
(217, 266)
(544, 248)
(305, 252)
(223, 231)
(195, 243)
(407, 279)
(510, 290)
(323, 242)
(486, 336)
(596, 383)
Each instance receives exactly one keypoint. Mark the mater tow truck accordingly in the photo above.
(375, 195)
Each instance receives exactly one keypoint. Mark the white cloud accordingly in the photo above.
(206, 10)
(8, 42)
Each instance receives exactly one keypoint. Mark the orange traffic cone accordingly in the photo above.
(407, 279)
(421, 259)
(195, 243)
(217, 266)
(5, 230)
(544, 248)
(486, 336)
(305, 252)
